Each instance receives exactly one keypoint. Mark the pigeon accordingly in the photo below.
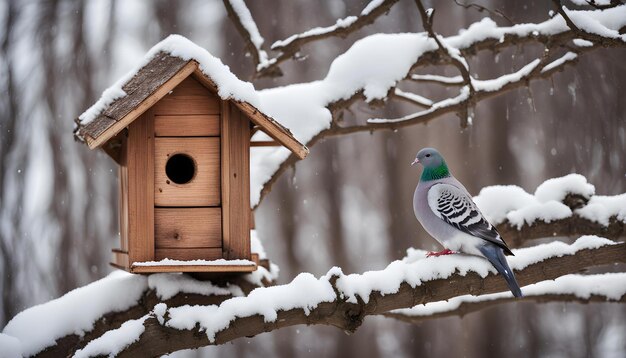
(446, 210)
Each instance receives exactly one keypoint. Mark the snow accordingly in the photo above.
(497, 83)
(612, 286)
(114, 341)
(582, 43)
(601, 208)
(256, 246)
(75, 312)
(414, 97)
(436, 78)
(304, 292)
(218, 262)
(546, 204)
(558, 188)
(560, 61)
(168, 285)
(317, 31)
(159, 311)
(11, 347)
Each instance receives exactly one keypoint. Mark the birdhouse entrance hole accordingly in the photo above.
(180, 168)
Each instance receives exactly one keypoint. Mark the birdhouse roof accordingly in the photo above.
(162, 69)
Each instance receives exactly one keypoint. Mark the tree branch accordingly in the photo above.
(160, 339)
(289, 47)
(545, 292)
(250, 34)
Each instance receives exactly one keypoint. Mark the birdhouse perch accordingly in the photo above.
(183, 148)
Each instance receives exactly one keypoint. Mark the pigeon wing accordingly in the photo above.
(455, 207)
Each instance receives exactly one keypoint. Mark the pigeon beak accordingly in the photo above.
(415, 162)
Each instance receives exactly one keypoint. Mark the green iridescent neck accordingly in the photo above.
(435, 173)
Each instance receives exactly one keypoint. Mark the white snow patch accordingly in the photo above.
(558, 188)
(612, 286)
(168, 285)
(497, 83)
(582, 43)
(304, 292)
(559, 61)
(499, 203)
(218, 262)
(75, 312)
(114, 341)
(256, 247)
(11, 347)
(601, 208)
(159, 311)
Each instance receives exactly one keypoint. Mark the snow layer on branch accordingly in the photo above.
(558, 188)
(229, 86)
(602, 208)
(612, 286)
(75, 312)
(570, 56)
(114, 341)
(246, 20)
(168, 285)
(306, 292)
(341, 23)
(10, 347)
(416, 268)
(546, 204)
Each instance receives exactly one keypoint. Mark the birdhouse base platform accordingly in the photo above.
(217, 266)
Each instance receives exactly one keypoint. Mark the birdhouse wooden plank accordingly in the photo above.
(184, 168)
(203, 125)
(187, 227)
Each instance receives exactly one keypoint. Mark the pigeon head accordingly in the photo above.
(434, 165)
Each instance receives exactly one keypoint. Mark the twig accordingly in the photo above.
(455, 57)
(290, 47)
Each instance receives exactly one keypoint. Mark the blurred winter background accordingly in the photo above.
(348, 204)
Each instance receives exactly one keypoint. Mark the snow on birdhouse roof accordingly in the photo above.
(163, 68)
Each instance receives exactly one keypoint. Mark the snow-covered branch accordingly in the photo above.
(609, 287)
(162, 313)
(565, 206)
(241, 17)
(291, 46)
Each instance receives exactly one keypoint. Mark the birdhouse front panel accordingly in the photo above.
(195, 205)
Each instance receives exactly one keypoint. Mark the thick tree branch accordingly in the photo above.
(159, 339)
(68, 345)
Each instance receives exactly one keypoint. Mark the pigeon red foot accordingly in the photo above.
(440, 253)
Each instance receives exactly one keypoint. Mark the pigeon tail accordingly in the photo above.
(495, 255)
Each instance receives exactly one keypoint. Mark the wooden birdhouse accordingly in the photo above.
(184, 177)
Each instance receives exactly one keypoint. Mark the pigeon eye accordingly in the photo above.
(427, 155)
